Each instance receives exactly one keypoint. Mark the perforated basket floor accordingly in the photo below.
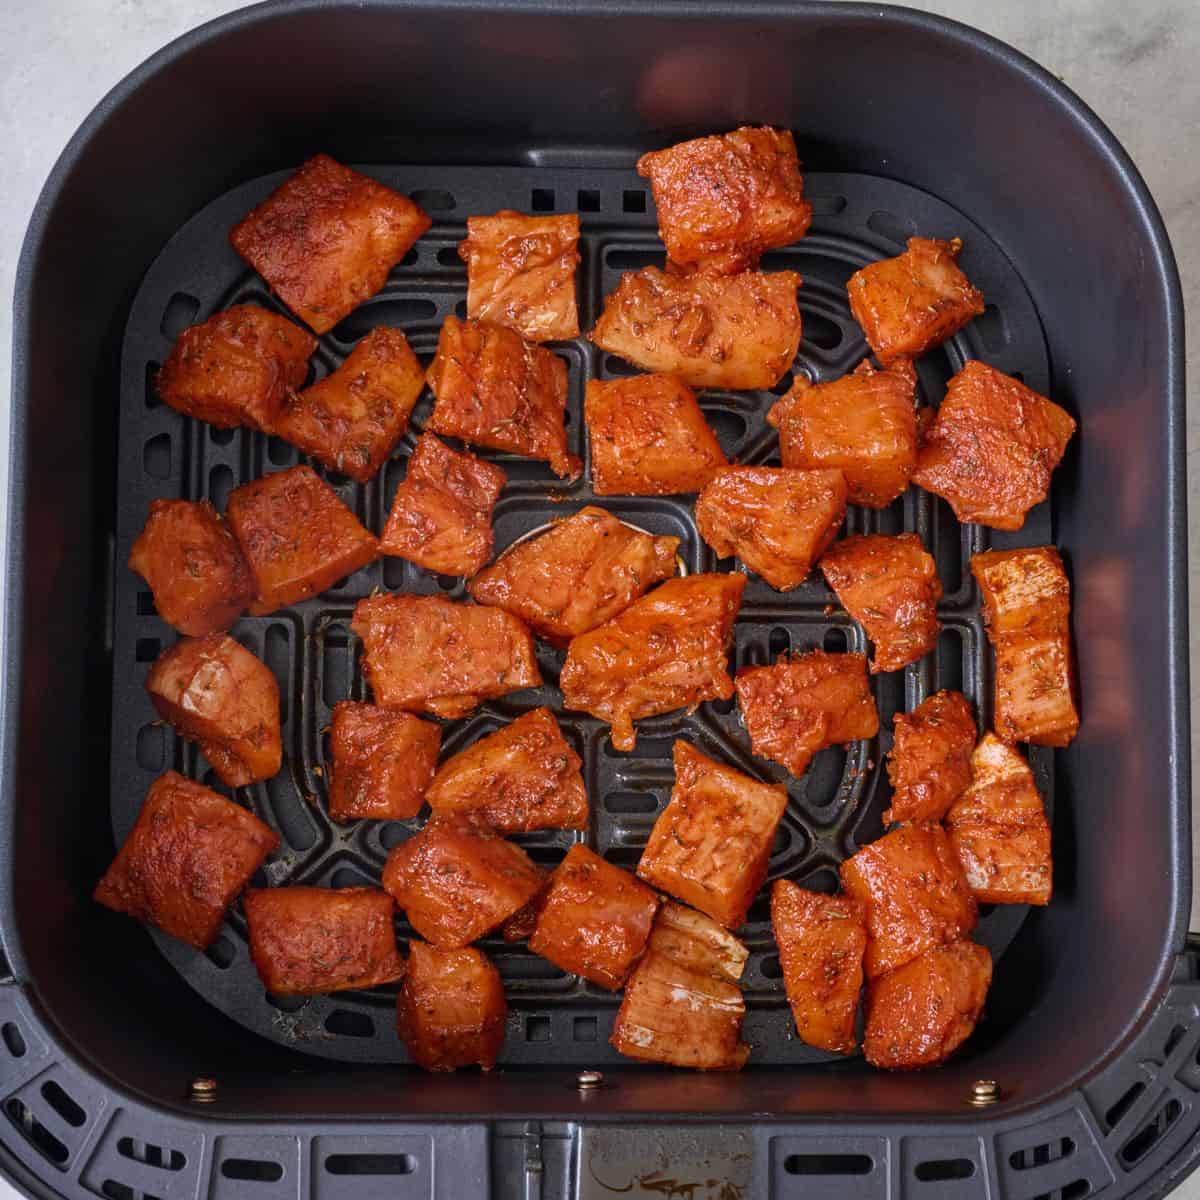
(555, 1018)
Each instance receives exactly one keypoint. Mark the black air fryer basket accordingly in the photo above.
(906, 123)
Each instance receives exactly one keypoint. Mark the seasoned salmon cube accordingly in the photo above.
(695, 940)
(522, 777)
(326, 239)
(494, 389)
(711, 844)
(521, 273)
(667, 650)
(821, 941)
(595, 918)
(298, 537)
(214, 690)
(929, 764)
(713, 331)
(723, 200)
(382, 762)
(890, 585)
(307, 940)
(578, 574)
(451, 1010)
(915, 895)
(778, 521)
(1035, 685)
(998, 829)
(350, 420)
(682, 1004)
(236, 368)
(992, 448)
(1024, 591)
(803, 703)
(187, 857)
(1026, 609)
(649, 437)
(919, 1014)
(910, 303)
(520, 926)
(458, 879)
(194, 566)
(863, 425)
(427, 654)
(441, 516)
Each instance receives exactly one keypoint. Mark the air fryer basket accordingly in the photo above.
(905, 123)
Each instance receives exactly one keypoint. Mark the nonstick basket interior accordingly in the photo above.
(555, 1018)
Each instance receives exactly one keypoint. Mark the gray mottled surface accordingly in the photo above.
(1134, 61)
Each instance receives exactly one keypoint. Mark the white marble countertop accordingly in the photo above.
(1133, 61)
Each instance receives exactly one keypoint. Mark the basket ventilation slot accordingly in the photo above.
(252, 1170)
(1142, 1142)
(35, 1133)
(1072, 1191)
(14, 1043)
(828, 1164)
(150, 1155)
(940, 1170)
(370, 1164)
(1129, 1098)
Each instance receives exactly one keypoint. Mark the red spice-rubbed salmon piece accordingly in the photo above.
(521, 273)
(495, 389)
(667, 650)
(523, 777)
(710, 845)
(929, 764)
(910, 303)
(915, 895)
(214, 690)
(187, 857)
(821, 942)
(451, 1009)
(919, 1014)
(890, 585)
(999, 831)
(778, 521)
(1026, 610)
(306, 941)
(595, 918)
(382, 762)
(236, 368)
(298, 537)
(803, 703)
(993, 447)
(724, 200)
(326, 239)
(862, 424)
(682, 1004)
(193, 565)
(441, 517)
(428, 654)
(713, 331)
(458, 879)
(351, 419)
(578, 574)
(648, 437)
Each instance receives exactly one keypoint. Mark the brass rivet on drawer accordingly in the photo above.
(203, 1091)
(984, 1092)
(588, 1081)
